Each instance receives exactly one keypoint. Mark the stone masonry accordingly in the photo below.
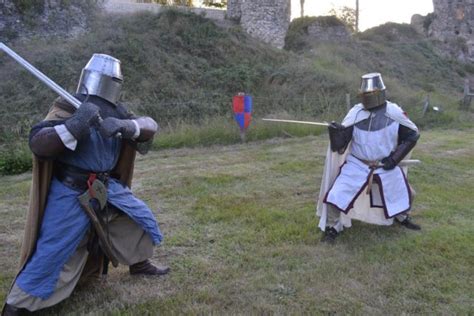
(266, 20)
(452, 23)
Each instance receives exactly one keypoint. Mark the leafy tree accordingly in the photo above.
(215, 3)
(187, 3)
(347, 15)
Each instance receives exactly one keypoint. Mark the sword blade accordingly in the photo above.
(297, 122)
(41, 76)
(405, 163)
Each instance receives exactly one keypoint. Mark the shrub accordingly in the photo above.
(32, 6)
(15, 159)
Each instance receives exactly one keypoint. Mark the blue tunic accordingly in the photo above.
(65, 224)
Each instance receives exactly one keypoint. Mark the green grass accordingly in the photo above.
(241, 236)
(224, 131)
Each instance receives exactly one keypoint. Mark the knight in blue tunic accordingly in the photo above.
(98, 142)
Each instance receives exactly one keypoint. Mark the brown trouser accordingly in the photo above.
(130, 243)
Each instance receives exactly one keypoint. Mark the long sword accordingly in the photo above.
(407, 163)
(41, 76)
(403, 163)
(298, 122)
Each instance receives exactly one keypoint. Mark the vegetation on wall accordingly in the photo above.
(182, 69)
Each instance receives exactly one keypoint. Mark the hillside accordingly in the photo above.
(183, 70)
(241, 236)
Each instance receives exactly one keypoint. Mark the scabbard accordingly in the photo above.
(84, 200)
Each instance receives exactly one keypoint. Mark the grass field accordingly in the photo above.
(241, 236)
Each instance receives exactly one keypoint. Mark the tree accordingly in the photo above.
(348, 16)
(215, 3)
(187, 3)
(357, 17)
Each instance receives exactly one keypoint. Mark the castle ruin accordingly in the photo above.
(267, 20)
(452, 23)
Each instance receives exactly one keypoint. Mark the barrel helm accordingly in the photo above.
(372, 90)
(102, 77)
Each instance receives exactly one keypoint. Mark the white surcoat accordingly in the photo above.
(345, 177)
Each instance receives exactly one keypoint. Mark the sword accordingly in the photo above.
(42, 77)
(298, 122)
(406, 163)
(403, 163)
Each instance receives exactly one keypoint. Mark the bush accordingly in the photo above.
(30, 6)
(15, 159)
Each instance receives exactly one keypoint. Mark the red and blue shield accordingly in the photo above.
(242, 105)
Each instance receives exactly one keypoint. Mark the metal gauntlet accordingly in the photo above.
(339, 136)
(148, 128)
(407, 139)
(402, 150)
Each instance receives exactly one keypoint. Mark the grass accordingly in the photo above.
(241, 236)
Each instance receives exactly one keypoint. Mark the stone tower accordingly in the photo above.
(454, 23)
(267, 20)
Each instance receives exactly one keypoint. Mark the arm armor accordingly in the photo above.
(148, 128)
(44, 141)
(407, 139)
(339, 137)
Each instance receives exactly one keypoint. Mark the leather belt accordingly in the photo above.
(76, 178)
(372, 164)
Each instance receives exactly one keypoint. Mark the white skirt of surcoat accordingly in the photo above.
(389, 191)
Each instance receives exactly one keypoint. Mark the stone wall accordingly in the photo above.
(266, 20)
(129, 7)
(321, 32)
(52, 19)
(452, 22)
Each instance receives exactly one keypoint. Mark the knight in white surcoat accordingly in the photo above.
(362, 179)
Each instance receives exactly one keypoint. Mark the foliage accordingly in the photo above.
(297, 36)
(182, 70)
(29, 6)
(391, 32)
(216, 4)
(224, 131)
(430, 17)
(241, 236)
(15, 158)
(346, 15)
(187, 3)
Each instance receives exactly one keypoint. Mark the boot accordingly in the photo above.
(330, 235)
(407, 222)
(147, 268)
(10, 310)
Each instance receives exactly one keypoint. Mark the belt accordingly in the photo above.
(78, 179)
(372, 164)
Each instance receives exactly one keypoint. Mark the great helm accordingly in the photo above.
(372, 90)
(102, 77)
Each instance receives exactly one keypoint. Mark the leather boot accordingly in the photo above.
(330, 235)
(407, 222)
(147, 268)
(10, 310)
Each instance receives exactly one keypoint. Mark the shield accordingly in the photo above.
(242, 106)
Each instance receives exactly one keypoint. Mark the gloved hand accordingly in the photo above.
(388, 163)
(111, 126)
(84, 117)
(335, 126)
